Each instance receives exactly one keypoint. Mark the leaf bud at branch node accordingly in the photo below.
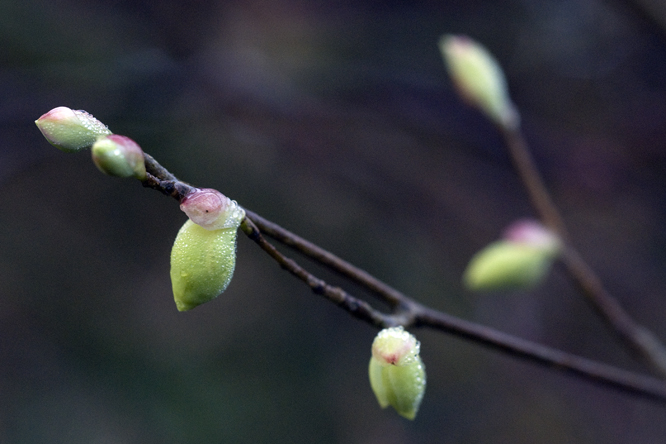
(119, 156)
(397, 374)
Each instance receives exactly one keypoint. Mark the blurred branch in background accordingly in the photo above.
(651, 12)
(479, 79)
(642, 341)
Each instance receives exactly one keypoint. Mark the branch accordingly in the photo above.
(407, 312)
(639, 339)
(384, 292)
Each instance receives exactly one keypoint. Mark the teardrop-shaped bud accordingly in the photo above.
(397, 374)
(211, 209)
(70, 130)
(119, 156)
(479, 79)
(520, 261)
(202, 264)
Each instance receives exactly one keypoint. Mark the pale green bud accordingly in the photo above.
(520, 261)
(203, 256)
(202, 264)
(119, 156)
(479, 78)
(70, 130)
(397, 374)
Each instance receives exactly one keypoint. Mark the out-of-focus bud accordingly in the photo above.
(119, 156)
(212, 210)
(479, 79)
(519, 261)
(70, 130)
(203, 257)
(397, 374)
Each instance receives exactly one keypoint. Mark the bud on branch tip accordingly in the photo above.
(70, 130)
(479, 79)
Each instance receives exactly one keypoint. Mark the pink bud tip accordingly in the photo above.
(531, 232)
(204, 206)
(394, 346)
(212, 210)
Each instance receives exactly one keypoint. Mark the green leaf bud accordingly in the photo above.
(203, 256)
(70, 130)
(519, 261)
(119, 156)
(479, 79)
(202, 264)
(397, 374)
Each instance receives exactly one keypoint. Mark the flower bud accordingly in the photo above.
(119, 156)
(202, 264)
(479, 79)
(212, 210)
(204, 253)
(520, 261)
(397, 375)
(70, 130)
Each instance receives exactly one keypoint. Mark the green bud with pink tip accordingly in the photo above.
(519, 261)
(397, 374)
(71, 130)
(479, 79)
(119, 156)
(203, 257)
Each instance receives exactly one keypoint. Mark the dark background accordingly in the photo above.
(337, 120)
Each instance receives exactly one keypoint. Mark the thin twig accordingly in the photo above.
(638, 338)
(587, 369)
(648, 15)
(358, 308)
(536, 189)
(386, 293)
(419, 316)
(409, 313)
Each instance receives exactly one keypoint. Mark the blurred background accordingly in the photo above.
(335, 119)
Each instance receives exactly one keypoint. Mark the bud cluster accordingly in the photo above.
(203, 256)
(75, 130)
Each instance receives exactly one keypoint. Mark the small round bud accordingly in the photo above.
(479, 79)
(397, 374)
(202, 264)
(521, 260)
(70, 130)
(212, 210)
(119, 156)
